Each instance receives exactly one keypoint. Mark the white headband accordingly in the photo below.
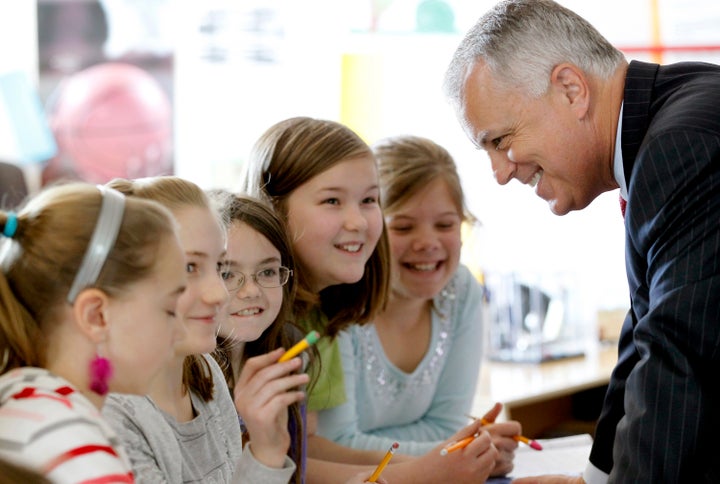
(102, 240)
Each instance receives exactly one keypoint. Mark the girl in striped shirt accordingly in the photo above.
(87, 306)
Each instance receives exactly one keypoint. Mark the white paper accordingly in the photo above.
(564, 455)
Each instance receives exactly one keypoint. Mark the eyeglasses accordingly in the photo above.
(267, 278)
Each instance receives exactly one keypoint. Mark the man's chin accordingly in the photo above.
(558, 209)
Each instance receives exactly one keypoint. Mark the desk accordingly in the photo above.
(540, 395)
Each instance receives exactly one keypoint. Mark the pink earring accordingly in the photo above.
(100, 372)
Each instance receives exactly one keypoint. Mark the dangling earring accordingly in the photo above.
(100, 372)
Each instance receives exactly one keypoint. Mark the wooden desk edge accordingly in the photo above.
(517, 384)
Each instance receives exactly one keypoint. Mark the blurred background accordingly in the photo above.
(105, 88)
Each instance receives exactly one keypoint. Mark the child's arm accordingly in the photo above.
(263, 392)
(471, 464)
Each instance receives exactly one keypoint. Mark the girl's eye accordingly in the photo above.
(331, 201)
(370, 200)
(446, 225)
(191, 268)
(404, 228)
(268, 272)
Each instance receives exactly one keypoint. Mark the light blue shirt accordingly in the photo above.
(419, 409)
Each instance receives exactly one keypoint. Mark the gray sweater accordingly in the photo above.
(207, 449)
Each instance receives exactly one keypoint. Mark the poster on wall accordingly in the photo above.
(106, 82)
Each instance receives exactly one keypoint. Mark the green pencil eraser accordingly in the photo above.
(312, 337)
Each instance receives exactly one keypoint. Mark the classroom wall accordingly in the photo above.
(241, 66)
(18, 29)
(325, 60)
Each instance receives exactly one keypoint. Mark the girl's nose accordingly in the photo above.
(355, 219)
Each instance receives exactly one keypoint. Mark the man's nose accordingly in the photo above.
(503, 169)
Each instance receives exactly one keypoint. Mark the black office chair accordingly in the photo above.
(13, 187)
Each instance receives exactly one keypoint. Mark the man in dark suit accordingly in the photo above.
(557, 107)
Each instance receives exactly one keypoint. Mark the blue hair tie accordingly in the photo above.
(10, 225)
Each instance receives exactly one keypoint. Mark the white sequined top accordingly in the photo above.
(417, 409)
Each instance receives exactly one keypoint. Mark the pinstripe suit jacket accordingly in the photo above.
(661, 417)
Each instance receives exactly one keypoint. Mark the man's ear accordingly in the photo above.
(90, 310)
(571, 83)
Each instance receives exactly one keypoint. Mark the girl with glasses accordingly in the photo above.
(258, 274)
(257, 269)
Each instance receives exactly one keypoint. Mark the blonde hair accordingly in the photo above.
(175, 193)
(407, 164)
(40, 260)
(288, 155)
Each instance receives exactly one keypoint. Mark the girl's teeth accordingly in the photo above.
(424, 267)
(248, 312)
(351, 248)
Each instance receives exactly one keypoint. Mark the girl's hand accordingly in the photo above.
(502, 435)
(263, 392)
(363, 477)
(471, 464)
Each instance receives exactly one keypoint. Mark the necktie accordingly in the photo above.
(623, 203)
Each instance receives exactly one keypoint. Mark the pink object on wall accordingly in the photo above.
(111, 120)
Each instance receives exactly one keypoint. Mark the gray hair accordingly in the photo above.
(521, 41)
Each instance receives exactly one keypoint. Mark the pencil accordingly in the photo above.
(532, 443)
(520, 438)
(384, 462)
(310, 339)
(460, 444)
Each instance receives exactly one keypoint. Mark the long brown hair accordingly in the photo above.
(175, 193)
(288, 155)
(260, 216)
(12, 473)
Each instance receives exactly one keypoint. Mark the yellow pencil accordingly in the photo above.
(310, 339)
(520, 438)
(460, 444)
(383, 462)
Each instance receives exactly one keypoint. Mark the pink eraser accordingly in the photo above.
(535, 445)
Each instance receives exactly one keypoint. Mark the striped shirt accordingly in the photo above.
(49, 426)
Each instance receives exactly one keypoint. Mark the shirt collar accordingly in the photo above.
(618, 169)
